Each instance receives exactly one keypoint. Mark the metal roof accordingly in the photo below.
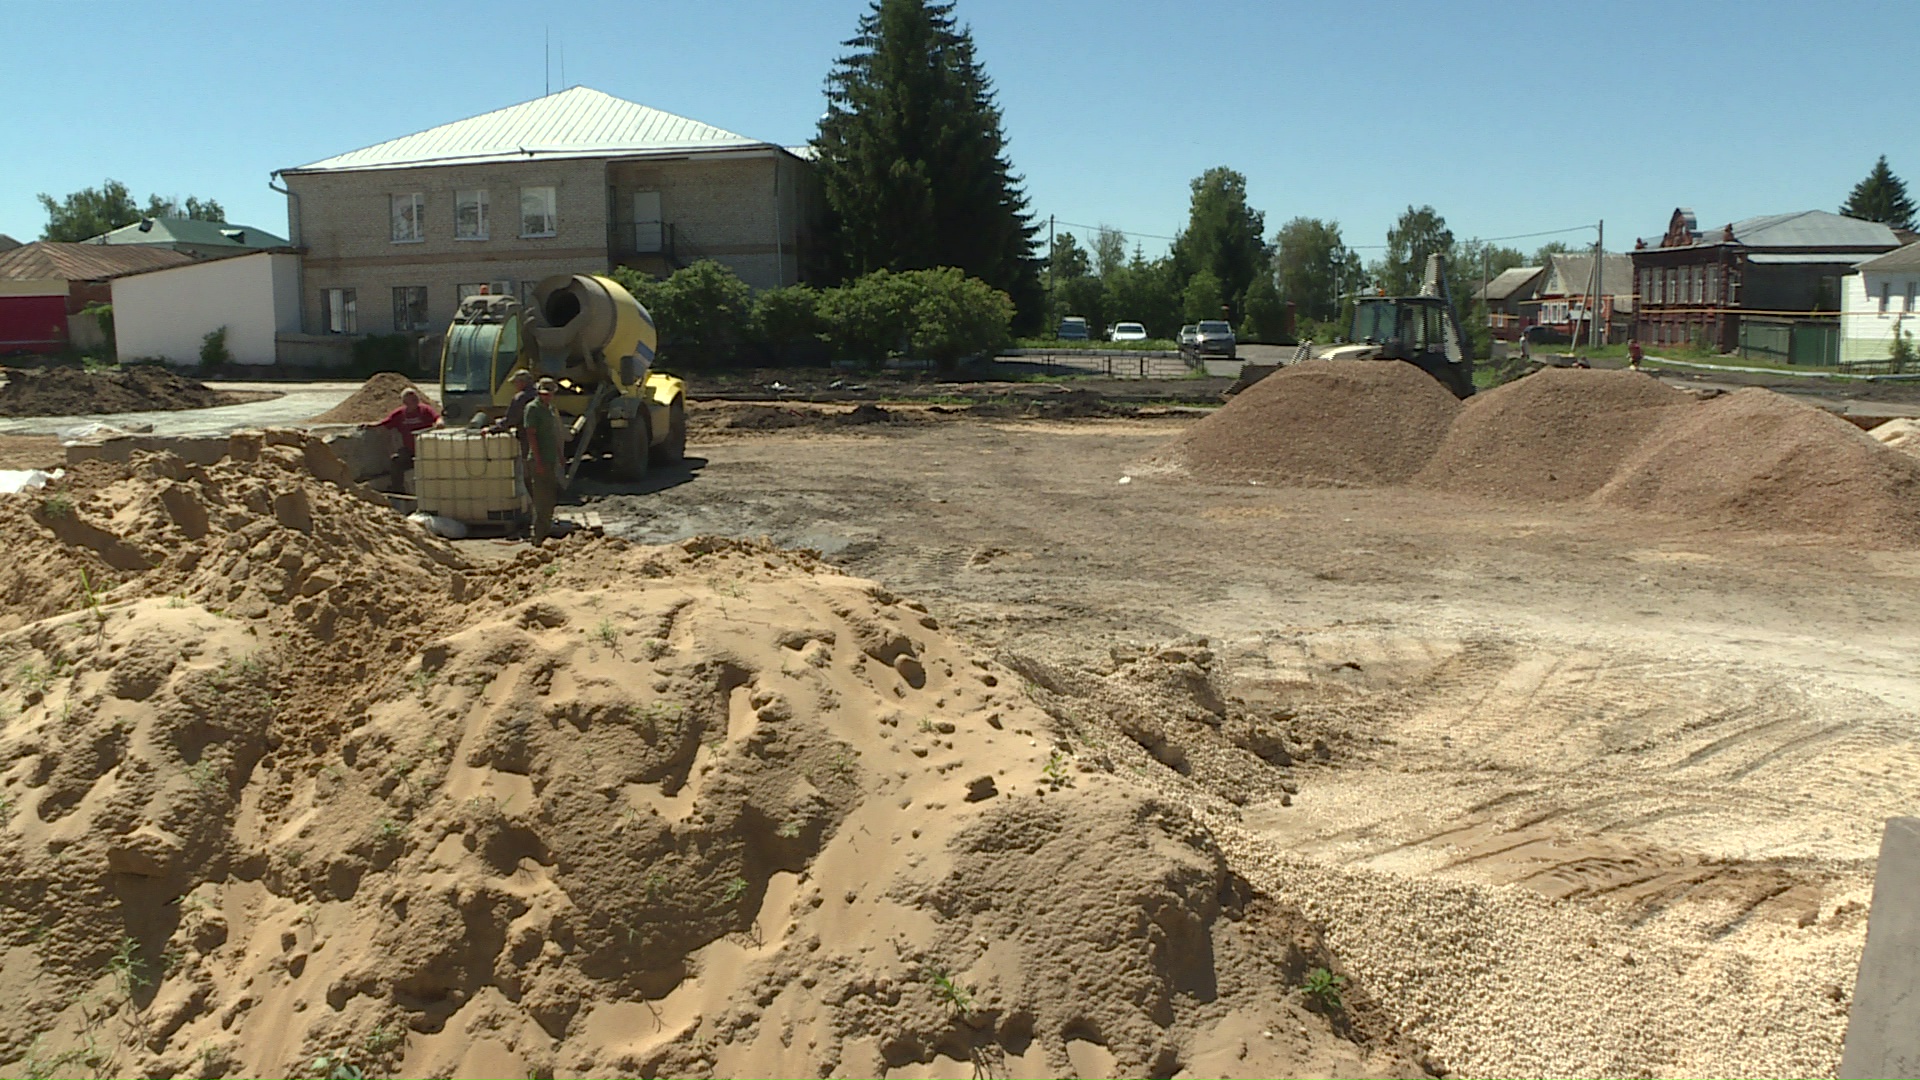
(43, 260)
(1907, 258)
(578, 122)
(1572, 275)
(1508, 282)
(1812, 229)
(1790, 257)
(176, 230)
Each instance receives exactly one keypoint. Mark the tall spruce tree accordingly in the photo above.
(1881, 197)
(912, 161)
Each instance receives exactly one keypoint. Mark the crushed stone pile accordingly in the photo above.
(301, 791)
(70, 391)
(370, 404)
(1757, 460)
(1322, 423)
(1556, 435)
(1902, 434)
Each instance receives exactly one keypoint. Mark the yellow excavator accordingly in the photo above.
(589, 333)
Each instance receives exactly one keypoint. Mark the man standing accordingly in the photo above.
(540, 427)
(523, 395)
(1633, 354)
(412, 417)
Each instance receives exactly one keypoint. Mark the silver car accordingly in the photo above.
(1213, 338)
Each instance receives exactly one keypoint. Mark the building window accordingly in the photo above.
(470, 214)
(409, 212)
(1912, 288)
(410, 307)
(1886, 294)
(339, 313)
(539, 214)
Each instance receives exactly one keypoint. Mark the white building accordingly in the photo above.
(1880, 298)
(167, 314)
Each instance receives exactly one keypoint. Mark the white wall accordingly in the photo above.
(1866, 333)
(168, 313)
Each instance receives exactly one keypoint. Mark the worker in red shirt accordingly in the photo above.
(412, 417)
(1633, 354)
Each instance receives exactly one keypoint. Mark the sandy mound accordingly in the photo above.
(1557, 435)
(371, 403)
(306, 785)
(1758, 460)
(67, 391)
(1901, 434)
(1322, 422)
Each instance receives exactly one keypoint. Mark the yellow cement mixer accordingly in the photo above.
(590, 334)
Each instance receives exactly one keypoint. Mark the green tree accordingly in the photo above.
(1068, 259)
(87, 213)
(1144, 291)
(1202, 298)
(1551, 247)
(702, 311)
(1418, 234)
(1881, 197)
(912, 160)
(1109, 250)
(787, 319)
(1314, 267)
(1265, 317)
(1223, 236)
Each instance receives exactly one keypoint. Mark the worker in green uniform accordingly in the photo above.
(540, 423)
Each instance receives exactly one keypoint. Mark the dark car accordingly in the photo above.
(1213, 339)
(1072, 328)
(1545, 335)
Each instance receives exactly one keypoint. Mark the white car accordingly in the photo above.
(1128, 331)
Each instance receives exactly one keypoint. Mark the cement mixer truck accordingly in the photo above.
(587, 332)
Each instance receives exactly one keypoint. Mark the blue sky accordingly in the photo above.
(1507, 117)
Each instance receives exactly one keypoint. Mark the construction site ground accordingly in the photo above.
(1685, 739)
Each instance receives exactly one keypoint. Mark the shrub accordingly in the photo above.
(955, 316)
(701, 311)
(383, 352)
(787, 318)
(1902, 352)
(213, 350)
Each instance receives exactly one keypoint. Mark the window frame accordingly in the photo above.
(419, 222)
(552, 211)
(343, 302)
(425, 321)
(485, 216)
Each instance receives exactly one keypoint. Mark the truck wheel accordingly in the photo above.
(673, 449)
(630, 447)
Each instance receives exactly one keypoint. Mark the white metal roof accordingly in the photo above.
(574, 123)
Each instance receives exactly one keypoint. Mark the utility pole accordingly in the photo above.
(1594, 335)
(1050, 257)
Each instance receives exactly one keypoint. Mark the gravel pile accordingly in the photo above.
(1323, 423)
(371, 403)
(1557, 435)
(1758, 460)
(1505, 982)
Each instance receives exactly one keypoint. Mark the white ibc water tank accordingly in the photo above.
(469, 476)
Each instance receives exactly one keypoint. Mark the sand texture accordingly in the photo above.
(72, 391)
(370, 404)
(290, 787)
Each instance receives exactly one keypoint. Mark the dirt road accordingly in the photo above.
(1681, 743)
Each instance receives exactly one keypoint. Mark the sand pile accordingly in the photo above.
(1322, 422)
(69, 391)
(755, 417)
(1758, 460)
(306, 787)
(1556, 435)
(371, 403)
(1900, 434)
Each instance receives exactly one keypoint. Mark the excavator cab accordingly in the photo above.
(1418, 330)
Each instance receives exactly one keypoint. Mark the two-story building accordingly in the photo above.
(394, 235)
(1772, 282)
(1879, 300)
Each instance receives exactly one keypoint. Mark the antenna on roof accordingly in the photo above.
(563, 63)
(549, 67)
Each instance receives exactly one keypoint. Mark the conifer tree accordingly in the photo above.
(912, 161)
(1881, 197)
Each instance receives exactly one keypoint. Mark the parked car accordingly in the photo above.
(1213, 338)
(1072, 328)
(1189, 335)
(1128, 331)
(1545, 335)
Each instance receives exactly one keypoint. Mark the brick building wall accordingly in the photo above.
(749, 212)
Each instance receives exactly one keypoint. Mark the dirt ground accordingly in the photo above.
(1679, 742)
(72, 391)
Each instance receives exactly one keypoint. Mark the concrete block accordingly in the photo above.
(1883, 1026)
